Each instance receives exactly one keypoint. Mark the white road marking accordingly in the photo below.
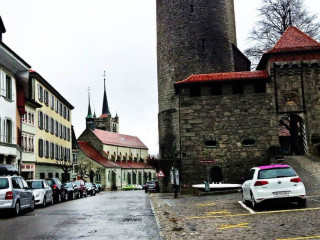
(313, 200)
(244, 206)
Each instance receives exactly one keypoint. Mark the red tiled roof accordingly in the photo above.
(138, 165)
(213, 77)
(124, 165)
(116, 139)
(92, 153)
(104, 115)
(293, 39)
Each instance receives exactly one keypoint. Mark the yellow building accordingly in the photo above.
(53, 129)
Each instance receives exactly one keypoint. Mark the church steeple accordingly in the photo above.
(105, 107)
(89, 115)
(89, 118)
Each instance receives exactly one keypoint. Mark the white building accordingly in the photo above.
(14, 73)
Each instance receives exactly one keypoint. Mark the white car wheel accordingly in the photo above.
(253, 202)
(44, 204)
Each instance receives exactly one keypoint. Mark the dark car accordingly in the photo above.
(72, 190)
(58, 190)
(152, 186)
(96, 187)
(91, 189)
(82, 188)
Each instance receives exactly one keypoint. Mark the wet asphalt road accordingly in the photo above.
(108, 215)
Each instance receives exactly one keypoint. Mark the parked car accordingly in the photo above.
(98, 186)
(90, 189)
(58, 190)
(82, 188)
(273, 182)
(42, 192)
(129, 187)
(138, 186)
(72, 190)
(152, 186)
(15, 194)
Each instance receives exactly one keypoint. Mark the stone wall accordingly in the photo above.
(228, 119)
(193, 37)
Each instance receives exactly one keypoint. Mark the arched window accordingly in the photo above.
(98, 176)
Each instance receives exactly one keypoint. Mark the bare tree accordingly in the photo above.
(66, 166)
(275, 17)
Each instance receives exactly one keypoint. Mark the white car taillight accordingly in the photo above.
(296, 180)
(261, 183)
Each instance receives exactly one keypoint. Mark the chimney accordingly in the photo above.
(2, 29)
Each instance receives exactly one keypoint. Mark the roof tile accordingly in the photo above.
(213, 77)
(116, 139)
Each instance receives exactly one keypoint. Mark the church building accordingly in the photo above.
(105, 156)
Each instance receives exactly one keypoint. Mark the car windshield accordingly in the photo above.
(69, 184)
(50, 182)
(77, 183)
(4, 183)
(276, 173)
(35, 184)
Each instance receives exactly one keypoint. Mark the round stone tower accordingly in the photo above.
(194, 36)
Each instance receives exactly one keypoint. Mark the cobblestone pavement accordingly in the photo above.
(223, 217)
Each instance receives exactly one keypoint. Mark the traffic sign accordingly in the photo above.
(160, 174)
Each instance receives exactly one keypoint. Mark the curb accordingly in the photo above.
(217, 192)
(162, 237)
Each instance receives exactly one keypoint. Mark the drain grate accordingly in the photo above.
(131, 219)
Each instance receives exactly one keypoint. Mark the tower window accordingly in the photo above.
(216, 89)
(248, 142)
(260, 87)
(238, 88)
(195, 91)
(191, 8)
(211, 143)
(203, 44)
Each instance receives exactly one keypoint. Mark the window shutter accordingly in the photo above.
(4, 80)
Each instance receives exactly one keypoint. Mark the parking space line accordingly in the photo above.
(257, 213)
(206, 204)
(313, 200)
(244, 206)
(215, 213)
(240, 225)
(301, 238)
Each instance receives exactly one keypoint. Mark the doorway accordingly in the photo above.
(292, 135)
(216, 175)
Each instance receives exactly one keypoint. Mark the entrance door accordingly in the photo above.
(216, 175)
(113, 180)
(292, 135)
(129, 178)
(134, 178)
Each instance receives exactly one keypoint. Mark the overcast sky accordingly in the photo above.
(71, 42)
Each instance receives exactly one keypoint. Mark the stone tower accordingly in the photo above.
(194, 36)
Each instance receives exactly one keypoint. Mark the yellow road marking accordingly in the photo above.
(257, 213)
(206, 204)
(215, 213)
(240, 225)
(301, 238)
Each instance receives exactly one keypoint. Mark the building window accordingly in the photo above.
(75, 157)
(40, 93)
(8, 131)
(27, 143)
(40, 148)
(98, 176)
(248, 142)
(216, 89)
(195, 91)
(42, 175)
(50, 175)
(68, 134)
(57, 151)
(64, 113)
(68, 114)
(211, 143)
(57, 175)
(60, 109)
(52, 150)
(46, 97)
(57, 128)
(64, 132)
(52, 125)
(40, 120)
(260, 87)
(8, 87)
(57, 105)
(46, 149)
(52, 102)
(191, 8)
(238, 88)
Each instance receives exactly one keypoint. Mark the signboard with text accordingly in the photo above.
(207, 161)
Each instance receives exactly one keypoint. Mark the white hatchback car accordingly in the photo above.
(273, 182)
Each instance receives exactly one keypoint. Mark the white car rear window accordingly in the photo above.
(4, 183)
(276, 173)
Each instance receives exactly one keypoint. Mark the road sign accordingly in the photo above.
(207, 161)
(160, 174)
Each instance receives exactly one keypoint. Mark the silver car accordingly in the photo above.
(42, 192)
(15, 194)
